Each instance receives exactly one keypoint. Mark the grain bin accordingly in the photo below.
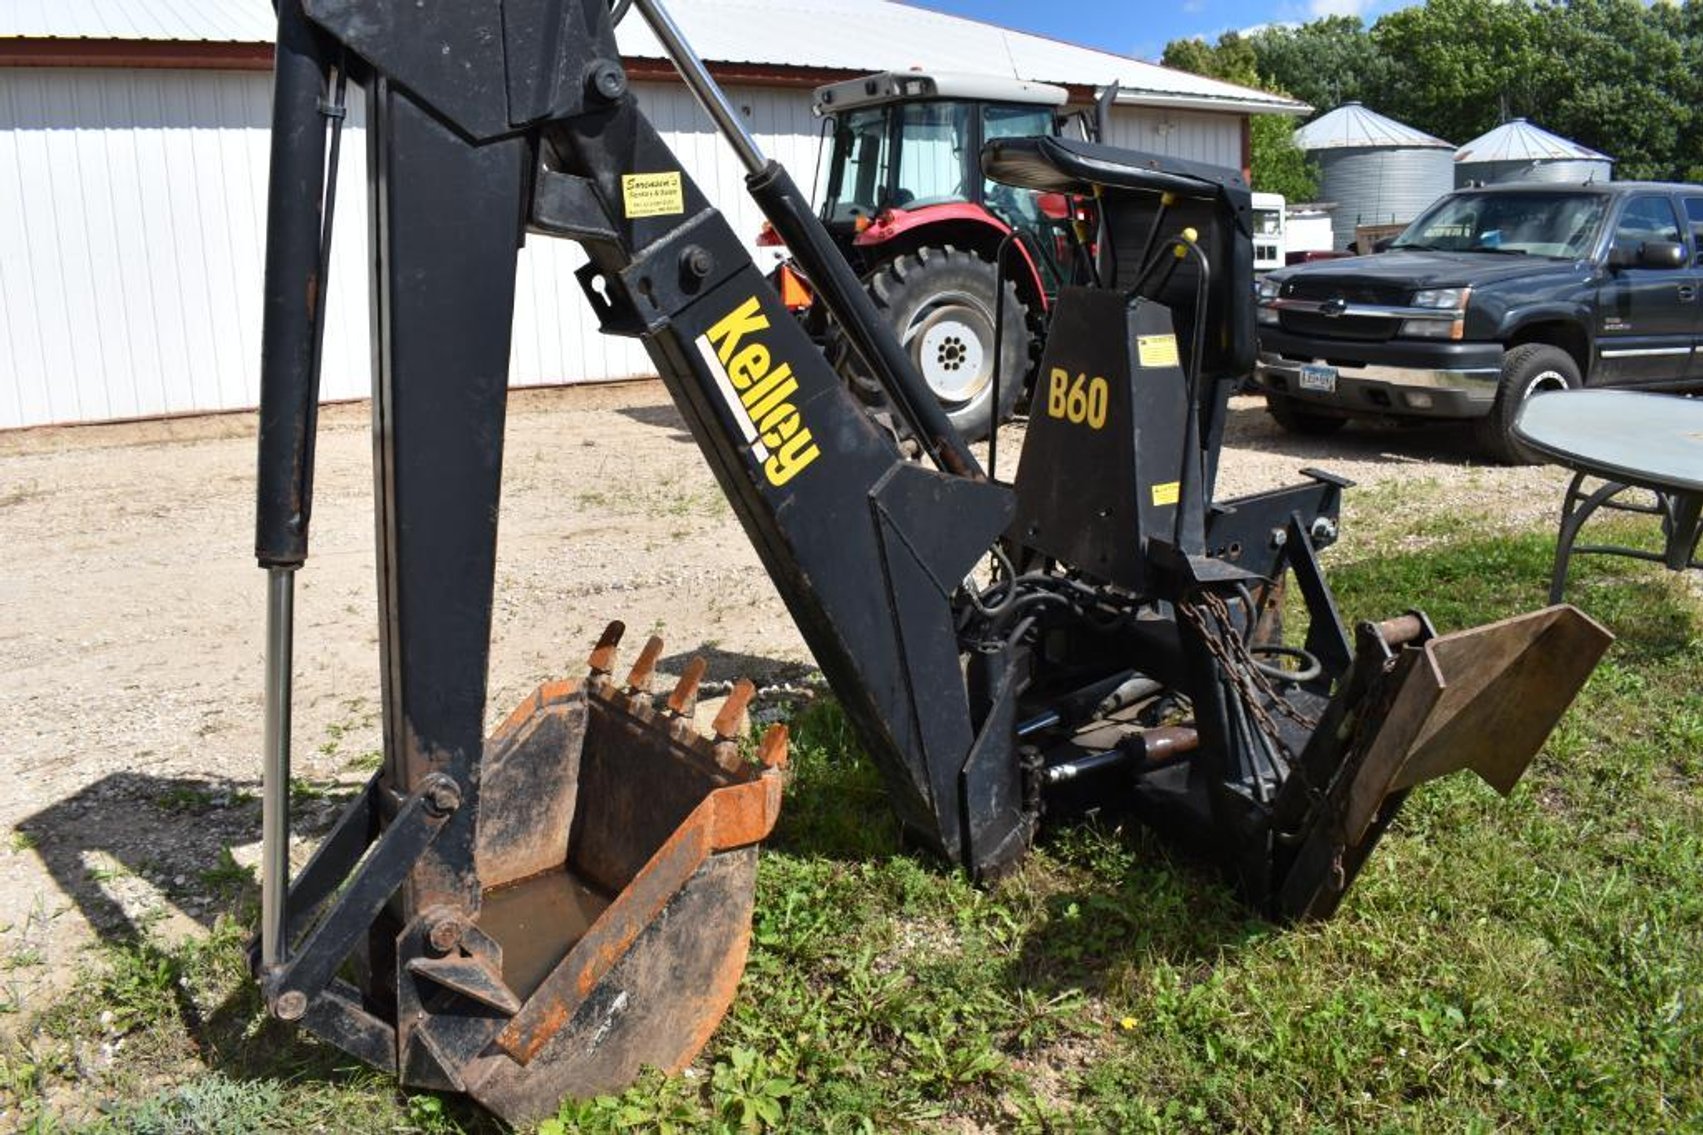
(1377, 170)
(1520, 151)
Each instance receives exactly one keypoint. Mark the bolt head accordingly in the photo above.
(291, 1005)
(696, 262)
(443, 798)
(445, 934)
(608, 80)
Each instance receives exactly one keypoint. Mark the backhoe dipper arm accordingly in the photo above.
(485, 119)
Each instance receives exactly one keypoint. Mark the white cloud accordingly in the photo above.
(1321, 8)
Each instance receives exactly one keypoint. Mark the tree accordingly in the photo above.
(1466, 65)
(1276, 164)
(1324, 63)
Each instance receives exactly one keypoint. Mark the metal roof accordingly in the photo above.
(1520, 141)
(829, 35)
(1352, 126)
(179, 21)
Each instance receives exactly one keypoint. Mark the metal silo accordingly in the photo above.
(1519, 151)
(1376, 170)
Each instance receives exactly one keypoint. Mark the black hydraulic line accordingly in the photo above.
(294, 293)
(998, 347)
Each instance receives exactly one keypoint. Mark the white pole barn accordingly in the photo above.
(133, 161)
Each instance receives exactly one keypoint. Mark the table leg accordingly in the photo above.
(1573, 516)
(1683, 521)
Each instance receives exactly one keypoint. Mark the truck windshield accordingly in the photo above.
(1537, 224)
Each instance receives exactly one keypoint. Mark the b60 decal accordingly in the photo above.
(1080, 402)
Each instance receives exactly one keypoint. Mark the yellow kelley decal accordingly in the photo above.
(1084, 400)
(652, 194)
(759, 392)
(1156, 350)
(1166, 493)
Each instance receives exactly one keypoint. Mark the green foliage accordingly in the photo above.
(1620, 76)
(1276, 163)
(1530, 964)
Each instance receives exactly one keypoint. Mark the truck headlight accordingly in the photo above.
(1265, 291)
(1441, 297)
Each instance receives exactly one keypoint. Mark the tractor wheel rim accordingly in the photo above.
(951, 340)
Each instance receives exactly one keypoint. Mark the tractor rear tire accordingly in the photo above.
(940, 304)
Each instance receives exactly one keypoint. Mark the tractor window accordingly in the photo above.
(857, 171)
(1017, 207)
(1020, 208)
(932, 137)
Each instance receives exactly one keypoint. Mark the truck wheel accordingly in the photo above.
(1526, 370)
(940, 304)
(1288, 413)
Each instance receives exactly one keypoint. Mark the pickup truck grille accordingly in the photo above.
(1352, 290)
(1360, 329)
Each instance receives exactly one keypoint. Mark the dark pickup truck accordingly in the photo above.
(1492, 295)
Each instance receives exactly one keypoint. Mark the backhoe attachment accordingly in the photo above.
(544, 912)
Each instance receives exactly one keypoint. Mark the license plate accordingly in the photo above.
(1319, 378)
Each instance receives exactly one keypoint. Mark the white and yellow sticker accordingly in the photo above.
(1166, 492)
(1156, 350)
(652, 194)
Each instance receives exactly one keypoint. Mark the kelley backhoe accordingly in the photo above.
(544, 911)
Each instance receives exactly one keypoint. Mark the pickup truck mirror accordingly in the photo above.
(1661, 254)
(1647, 254)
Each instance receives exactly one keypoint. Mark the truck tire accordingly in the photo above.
(940, 304)
(1289, 414)
(1526, 370)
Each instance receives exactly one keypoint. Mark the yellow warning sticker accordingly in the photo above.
(655, 195)
(1167, 493)
(1156, 350)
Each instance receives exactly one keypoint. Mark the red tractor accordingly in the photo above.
(903, 195)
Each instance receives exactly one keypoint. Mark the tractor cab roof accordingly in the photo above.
(911, 86)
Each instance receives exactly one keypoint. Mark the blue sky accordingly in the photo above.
(1142, 28)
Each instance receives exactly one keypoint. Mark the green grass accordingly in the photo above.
(1530, 964)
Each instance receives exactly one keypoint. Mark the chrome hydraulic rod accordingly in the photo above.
(708, 92)
(275, 769)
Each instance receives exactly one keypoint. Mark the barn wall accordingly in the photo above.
(132, 224)
(132, 221)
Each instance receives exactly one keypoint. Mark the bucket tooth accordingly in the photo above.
(602, 660)
(684, 699)
(643, 673)
(730, 721)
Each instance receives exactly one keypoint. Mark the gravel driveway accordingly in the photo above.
(131, 646)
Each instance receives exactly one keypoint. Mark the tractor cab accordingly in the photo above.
(905, 158)
(961, 267)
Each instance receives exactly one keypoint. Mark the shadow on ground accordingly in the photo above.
(129, 849)
(1250, 427)
(662, 417)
